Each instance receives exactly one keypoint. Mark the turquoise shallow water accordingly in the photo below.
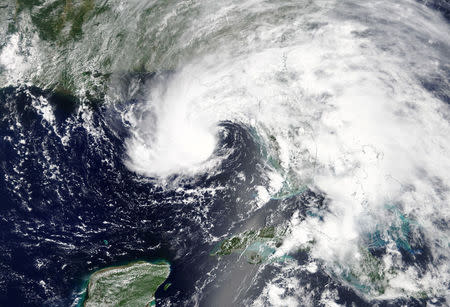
(146, 129)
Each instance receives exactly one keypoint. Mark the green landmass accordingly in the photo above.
(83, 48)
(134, 284)
(257, 246)
(371, 275)
(368, 276)
(270, 150)
(52, 18)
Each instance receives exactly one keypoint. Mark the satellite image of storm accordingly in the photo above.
(221, 153)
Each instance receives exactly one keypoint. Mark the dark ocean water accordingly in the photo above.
(70, 209)
(70, 206)
(442, 6)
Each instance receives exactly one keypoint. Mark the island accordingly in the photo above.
(255, 246)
